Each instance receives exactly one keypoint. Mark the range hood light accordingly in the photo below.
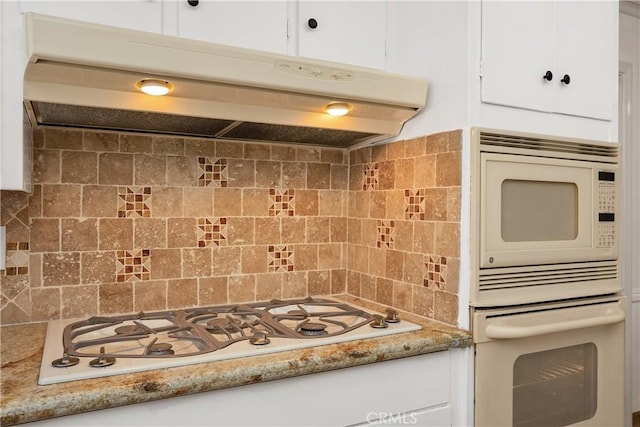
(337, 108)
(154, 87)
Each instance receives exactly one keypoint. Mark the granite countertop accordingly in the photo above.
(23, 400)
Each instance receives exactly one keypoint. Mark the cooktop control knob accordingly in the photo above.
(259, 338)
(379, 322)
(102, 361)
(392, 316)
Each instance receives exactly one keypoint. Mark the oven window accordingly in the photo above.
(555, 387)
(539, 211)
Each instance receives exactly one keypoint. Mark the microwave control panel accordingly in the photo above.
(606, 199)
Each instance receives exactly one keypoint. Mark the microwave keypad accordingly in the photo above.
(606, 216)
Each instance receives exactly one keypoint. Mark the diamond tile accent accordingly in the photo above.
(134, 202)
(371, 177)
(281, 203)
(17, 260)
(415, 205)
(212, 231)
(213, 172)
(132, 266)
(386, 234)
(436, 274)
(280, 258)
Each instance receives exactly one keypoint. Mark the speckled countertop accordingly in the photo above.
(23, 400)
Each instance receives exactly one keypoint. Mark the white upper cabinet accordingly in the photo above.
(144, 15)
(260, 25)
(351, 32)
(558, 57)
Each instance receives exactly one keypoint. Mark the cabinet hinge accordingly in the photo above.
(481, 69)
(288, 27)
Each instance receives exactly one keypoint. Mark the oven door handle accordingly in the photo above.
(515, 329)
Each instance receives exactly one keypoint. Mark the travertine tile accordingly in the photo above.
(242, 288)
(170, 145)
(166, 263)
(386, 175)
(294, 284)
(150, 233)
(255, 202)
(437, 143)
(101, 141)
(198, 202)
(306, 257)
(115, 298)
(384, 291)
(330, 203)
(318, 229)
(318, 176)
(353, 283)
(99, 201)
(307, 202)
(329, 256)
(356, 177)
(134, 143)
(182, 171)
(447, 239)
(423, 237)
(445, 307)
(423, 301)
(436, 204)
(307, 154)
(45, 304)
(64, 139)
(254, 260)
(167, 201)
(402, 296)
(404, 173)
(199, 147)
(394, 265)
(339, 177)
(79, 167)
(182, 293)
(379, 153)
(98, 267)
(149, 296)
(35, 270)
(79, 301)
(257, 151)
(362, 155)
(395, 204)
(115, 169)
(294, 175)
(395, 150)
(61, 200)
(283, 152)
(294, 229)
(149, 169)
(46, 166)
(45, 235)
(319, 282)
(242, 172)
(226, 260)
(61, 269)
(115, 233)
(240, 231)
(212, 290)
(338, 229)
(267, 231)
(181, 232)
(453, 204)
(338, 281)
(404, 235)
(455, 140)
(378, 262)
(448, 169)
(413, 268)
(268, 286)
(333, 155)
(227, 202)
(79, 235)
(267, 174)
(415, 147)
(425, 172)
(229, 149)
(368, 287)
(35, 202)
(196, 262)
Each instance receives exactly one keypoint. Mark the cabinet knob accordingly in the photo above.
(548, 76)
(312, 23)
(566, 79)
(193, 3)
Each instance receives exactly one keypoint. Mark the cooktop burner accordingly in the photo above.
(110, 345)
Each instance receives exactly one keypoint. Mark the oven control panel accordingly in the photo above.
(606, 199)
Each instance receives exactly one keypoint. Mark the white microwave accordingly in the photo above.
(545, 217)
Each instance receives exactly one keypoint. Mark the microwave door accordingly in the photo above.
(535, 211)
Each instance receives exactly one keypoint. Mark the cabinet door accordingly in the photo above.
(348, 32)
(517, 50)
(587, 46)
(258, 25)
(144, 15)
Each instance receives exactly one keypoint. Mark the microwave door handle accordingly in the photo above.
(507, 331)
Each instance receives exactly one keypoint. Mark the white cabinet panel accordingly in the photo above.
(258, 25)
(350, 32)
(521, 41)
(144, 15)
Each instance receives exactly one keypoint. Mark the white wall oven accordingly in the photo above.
(548, 317)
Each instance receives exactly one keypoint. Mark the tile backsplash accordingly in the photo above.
(122, 222)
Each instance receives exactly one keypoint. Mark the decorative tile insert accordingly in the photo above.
(386, 234)
(213, 172)
(17, 258)
(280, 258)
(132, 266)
(414, 204)
(371, 177)
(134, 201)
(212, 231)
(281, 203)
(436, 275)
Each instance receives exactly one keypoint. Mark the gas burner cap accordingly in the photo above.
(297, 313)
(259, 338)
(218, 324)
(128, 330)
(161, 349)
(313, 329)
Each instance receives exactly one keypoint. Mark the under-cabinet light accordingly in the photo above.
(155, 87)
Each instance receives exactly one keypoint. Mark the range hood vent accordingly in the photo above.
(86, 75)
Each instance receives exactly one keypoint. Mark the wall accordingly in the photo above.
(122, 222)
(404, 214)
(630, 57)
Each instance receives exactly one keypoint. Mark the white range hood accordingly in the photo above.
(85, 75)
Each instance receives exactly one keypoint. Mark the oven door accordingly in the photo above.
(551, 364)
